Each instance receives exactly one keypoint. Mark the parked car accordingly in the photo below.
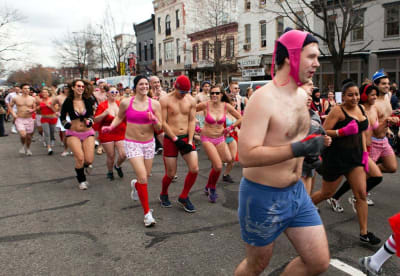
(243, 85)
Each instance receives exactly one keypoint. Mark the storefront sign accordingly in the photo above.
(252, 61)
(253, 72)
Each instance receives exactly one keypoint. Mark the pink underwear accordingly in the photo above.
(81, 135)
(214, 141)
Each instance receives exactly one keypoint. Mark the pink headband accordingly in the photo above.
(293, 42)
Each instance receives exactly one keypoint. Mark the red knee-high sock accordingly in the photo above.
(166, 181)
(141, 189)
(189, 182)
(213, 178)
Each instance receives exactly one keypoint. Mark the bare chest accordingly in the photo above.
(21, 102)
(180, 108)
(384, 109)
(291, 124)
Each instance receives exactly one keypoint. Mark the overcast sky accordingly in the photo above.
(46, 20)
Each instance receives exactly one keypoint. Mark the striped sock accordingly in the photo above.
(383, 254)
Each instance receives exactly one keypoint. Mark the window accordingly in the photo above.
(151, 50)
(230, 47)
(263, 33)
(177, 18)
(247, 5)
(357, 34)
(145, 50)
(168, 51)
(300, 20)
(206, 50)
(159, 54)
(218, 49)
(167, 25)
(159, 25)
(178, 57)
(330, 32)
(279, 26)
(247, 33)
(392, 20)
(195, 53)
(140, 51)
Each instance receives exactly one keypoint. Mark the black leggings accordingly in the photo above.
(371, 183)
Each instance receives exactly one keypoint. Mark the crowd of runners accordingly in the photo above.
(282, 134)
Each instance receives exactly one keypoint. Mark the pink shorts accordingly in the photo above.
(380, 148)
(135, 148)
(214, 141)
(25, 124)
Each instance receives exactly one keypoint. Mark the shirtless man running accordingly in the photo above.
(24, 122)
(272, 198)
(178, 120)
(380, 147)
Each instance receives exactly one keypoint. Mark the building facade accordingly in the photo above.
(145, 47)
(174, 20)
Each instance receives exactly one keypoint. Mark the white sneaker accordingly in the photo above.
(370, 202)
(83, 185)
(22, 150)
(336, 207)
(14, 129)
(28, 152)
(65, 153)
(148, 219)
(175, 178)
(89, 169)
(352, 202)
(134, 194)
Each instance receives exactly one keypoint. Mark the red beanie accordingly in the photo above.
(183, 83)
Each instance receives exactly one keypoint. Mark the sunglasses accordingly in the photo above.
(215, 93)
(114, 92)
(80, 86)
(183, 92)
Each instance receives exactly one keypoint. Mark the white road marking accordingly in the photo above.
(346, 268)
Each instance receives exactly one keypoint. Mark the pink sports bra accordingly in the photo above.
(134, 116)
(210, 120)
(374, 126)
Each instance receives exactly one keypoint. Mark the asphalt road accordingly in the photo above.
(49, 227)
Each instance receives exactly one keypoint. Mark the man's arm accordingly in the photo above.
(164, 113)
(192, 121)
(10, 108)
(252, 152)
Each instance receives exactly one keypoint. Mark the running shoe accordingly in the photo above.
(370, 202)
(364, 264)
(352, 201)
(227, 178)
(206, 192)
(119, 171)
(186, 205)
(164, 201)
(148, 219)
(28, 152)
(22, 150)
(174, 178)
(14, 129)
(370, 238)
(134, 194)
(110, 176)
(212, 197)
(49, 151)
(336, 207)
(89, 169)
(159, 151)
(64, 153)
(83, 185)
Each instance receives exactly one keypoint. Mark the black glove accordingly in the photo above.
(313, 161)
(311, 145)
(183, 147)
(66, 124)
(89, 122)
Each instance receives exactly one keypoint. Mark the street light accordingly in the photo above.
(101, 48)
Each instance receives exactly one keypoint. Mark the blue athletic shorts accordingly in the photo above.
(265, 212)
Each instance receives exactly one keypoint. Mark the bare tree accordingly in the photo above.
(338, 17)
(220, 25)
(78, 49)
(116, 46)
